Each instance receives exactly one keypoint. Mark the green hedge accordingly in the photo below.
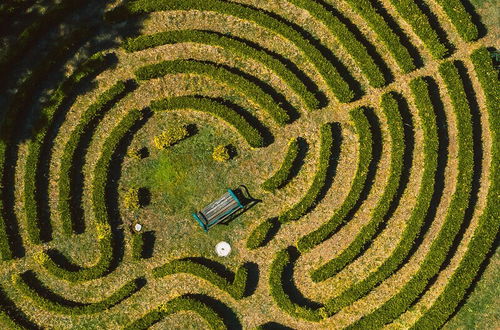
(259, 234)
(284, 173)
(47, 302)
(65, 90)
(310, 199)
(236, 46)
(334, 80)
(384, 33)
(104, 233)
(8, 126)
(251, 134)
(236, 289)
(390, 107)
(220, 74)
(179, 304)
(440, 246)
(137, 245)
(488, 225)
(347, 39)
(419, 22)
(105, 101)
(365, 145)
(460, 18)
(425, 109)
(276, 272)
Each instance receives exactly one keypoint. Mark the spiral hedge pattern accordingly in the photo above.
(368, 130)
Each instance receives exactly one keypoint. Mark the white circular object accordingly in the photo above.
(138, 227)
(223, 249)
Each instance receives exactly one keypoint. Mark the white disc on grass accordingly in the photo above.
(138, 227)
(223, 249)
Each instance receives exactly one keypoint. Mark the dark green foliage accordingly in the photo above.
(284, 173)
(411, 13)
(365, 142)
(43, 296)
(428, 122)
(487, 227)
(390, 108)
(280, 263)
(236, 46)
(57, 99)
(221, 74)
(179, 304)
(137, 245)
(211, 106)
(105, 100)
(347, 39)
(384, 32)
(440, 246)
(460, 18)
(331, 75)
(236, 289)
(104, 233)
(259, 234)
(312, 195)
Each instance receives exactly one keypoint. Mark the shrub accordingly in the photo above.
(314, 192)
(37, 292)
(460, 18)
(227, 76)
(221, 153)
(347, 39)
(131, 199)
(384, 33)
(419, 22)
(137, 245)
(90, 67)
(280, 262)
(365, 142)
(425, 109)
(243, 48)
(335, 82)
(170, 137)
(104, 102)
(251, 134)
(455, 213)
(284, 173)
(259, 234)
(390, 108)
(236, 289)
(182, 303)
(134, 153)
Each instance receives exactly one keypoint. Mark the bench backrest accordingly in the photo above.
(218, 210)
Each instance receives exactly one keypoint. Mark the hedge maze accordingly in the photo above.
(367, 131)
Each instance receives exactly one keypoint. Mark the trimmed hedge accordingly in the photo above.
(488, 225)
(19, 101)
(276, 273)
(347, 39)
(204, 104)
(419, 22)
(259, 234)
(104, 102)
(137, 245)
(365, 145)
(317, 186)
(221, 74)
(384, 33)
(390, 107)
(284, 174)
(425, 110)
(43, 296)
(179, 304)
(243, 48)
(104, 234)
(236, 289)
(334, 80)
(460, 18)
(440, 246)
(65, 90)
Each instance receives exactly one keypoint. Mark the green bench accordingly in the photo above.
(218, 211)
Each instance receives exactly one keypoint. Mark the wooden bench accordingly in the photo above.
(218, 211)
